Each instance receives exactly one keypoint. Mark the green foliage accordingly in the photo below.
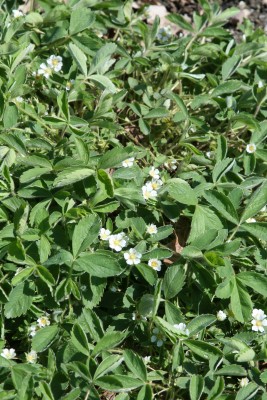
(133, 201)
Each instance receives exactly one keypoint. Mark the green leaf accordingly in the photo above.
(227, 88)
(248, 392)
(45, 275)
(135, 364)
(43, 338)
(196, 387)
(222, 204)
(241, 303)
(231, 370)
(72, 175)
(106, 182)
(145, 393)
(118, 383)
(109, 341)
(148, 273)
(173, 281)
(217, 389)
(230, 66)
(203, 349)
(14, 142)
(85, 233)
(159, 112)
(162, 233)
(79, 339)
(97, 264)
(256, 281)
(101, 59)
(104, 82)
(113, 158)
(256, 202)
(10, 117)
(180, 21)
(81, 19)
(221, 168)
(107, 365)
(200, 322)
(79, 58)
(181, 191)
(22, 275)
(19, 300)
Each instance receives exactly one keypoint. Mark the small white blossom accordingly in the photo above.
(155, 264)
(31, 357)
(151, 229)
(146, 359)
(156, 184)
(117, 242)
(148, 192)
(157, 337)
(32, 330)
(43, 321)
(69, 84)
(128, 163)
(136, 317)
(208, 154)
(55, 63)
(260, 84)
(44, 70)
(9, 354)
(164, 34)
(17, 13)
(182, 329)
(250, 220)
(243, 382)
(132, 257)
(154, 173)
(221, 316)
(104, 234)
(259, 320)
(251, 148)
(19, 99)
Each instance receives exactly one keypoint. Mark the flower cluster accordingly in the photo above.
(53, 64)
(41, 323)
(150, 188)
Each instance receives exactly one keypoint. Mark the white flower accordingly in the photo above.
(132, 257)
(136, 317)
(117, 242)
(155, 264)
(156, 184)
(208, 154)
(164, 34)
(250, 220)
(181, 329)
(9, 354)
(251, 148)
(32, 330)
(259, 320)
(243, 382)
(69, 84)
(55, 63)
(260, 84)
(154, 173)
(146, 359)
(149, 192)
(104, 234)
(44, 70)
(128, 163)
(221, 316)
(43, 321)
(17, 13)
(31, 357)
(171, 164)
(113, 289)
(151, 229)
(19, 99)
(158, 337)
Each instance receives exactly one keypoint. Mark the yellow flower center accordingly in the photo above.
(55, 62)
(132, 256)
(258, 323)
(154, 264)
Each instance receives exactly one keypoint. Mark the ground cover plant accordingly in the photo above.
(132, 204)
